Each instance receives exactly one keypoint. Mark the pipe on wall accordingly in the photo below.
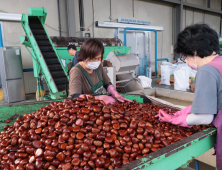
(67, 15)
(1, 39)
(81, 15)
(60, 33)
(110, 17)
(93, 26)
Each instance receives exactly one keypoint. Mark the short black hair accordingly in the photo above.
(199, 38)
(71, 47)
(90, 49)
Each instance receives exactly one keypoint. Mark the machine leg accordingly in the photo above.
(38, 87)
(41, 80)
(196, 165)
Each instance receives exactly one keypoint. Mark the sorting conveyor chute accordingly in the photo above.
(46, 61)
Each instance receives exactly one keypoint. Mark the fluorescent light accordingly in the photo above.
(120, 25)
(10, 17)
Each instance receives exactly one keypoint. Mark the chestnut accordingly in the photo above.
(85, 133)
(100, 162)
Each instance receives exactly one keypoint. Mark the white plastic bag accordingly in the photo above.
(193, 73)
(165, 75)
(172, 69)
(145, 82)
(180, 80)
(187, 75)
(167, 63)
(171, 66)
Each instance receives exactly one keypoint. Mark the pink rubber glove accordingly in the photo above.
(106, 99)
(179, 120)
(183, 111)
(111, 90)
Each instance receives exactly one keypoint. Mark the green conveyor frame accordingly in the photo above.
(178, 154)
(220, 43)
(39, 64)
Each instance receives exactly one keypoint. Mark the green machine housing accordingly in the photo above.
(47, 52)
(220, 43)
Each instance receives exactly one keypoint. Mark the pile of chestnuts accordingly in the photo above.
(84, 134)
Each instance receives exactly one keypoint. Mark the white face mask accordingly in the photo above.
(93, 65)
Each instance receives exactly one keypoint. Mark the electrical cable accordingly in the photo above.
(44, 24)
(13, 43)
(122, 87)
(3, 11)
(54, 28)
(86, 28)
(93, 23)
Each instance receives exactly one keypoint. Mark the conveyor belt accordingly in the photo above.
(168, 158)
(48, 53)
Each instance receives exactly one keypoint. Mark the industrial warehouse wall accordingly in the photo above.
(160, 14)
(13, 30)
(191, 16)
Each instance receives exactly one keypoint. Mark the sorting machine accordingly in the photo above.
(47, 53)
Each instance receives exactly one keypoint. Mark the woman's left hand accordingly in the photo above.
(111, 90)
(106, 99)
(120, 98)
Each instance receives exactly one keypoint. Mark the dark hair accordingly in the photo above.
(199, 38)
(71, 47)
(90, 49)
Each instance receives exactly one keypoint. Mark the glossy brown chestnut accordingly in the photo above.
(80, 135)
(127, 149)
(100, 162)
(113, 153)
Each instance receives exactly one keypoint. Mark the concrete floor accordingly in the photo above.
(188, 168)
(155, 84)
(202, 166)
(29, 98)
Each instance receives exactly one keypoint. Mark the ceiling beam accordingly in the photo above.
(170, 1)
(193, 6)
(202, 8)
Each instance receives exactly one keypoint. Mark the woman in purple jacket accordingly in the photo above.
(199, 46)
